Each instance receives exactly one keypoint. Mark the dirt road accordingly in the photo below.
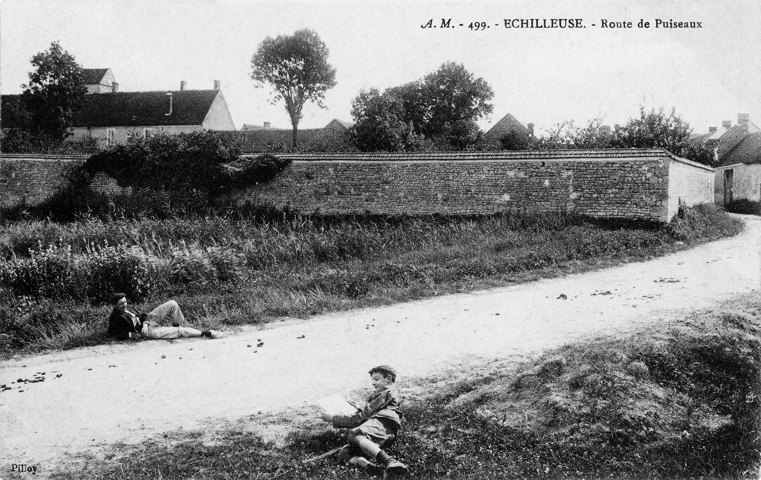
(127, 392)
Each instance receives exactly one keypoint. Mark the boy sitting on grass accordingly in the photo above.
(375, 425)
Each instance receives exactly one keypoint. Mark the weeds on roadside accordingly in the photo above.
(300, 266)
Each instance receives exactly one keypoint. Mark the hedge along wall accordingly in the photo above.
(30, 179)
(602, 183)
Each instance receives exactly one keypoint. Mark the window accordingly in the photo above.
(147, 133)
(110, 137)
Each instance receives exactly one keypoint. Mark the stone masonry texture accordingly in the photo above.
(632, 184)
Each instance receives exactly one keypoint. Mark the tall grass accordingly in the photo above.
(305, 265)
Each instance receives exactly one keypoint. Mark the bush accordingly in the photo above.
(50, 272)
(703, 222)
(744, 206)
(117, 269)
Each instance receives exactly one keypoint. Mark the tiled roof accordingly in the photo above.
(136, 109)
(501, 155)
(93, 76)
(133, 109)
(748, 151)
(505, 125)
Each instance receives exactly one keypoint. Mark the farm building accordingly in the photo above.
(737, 150)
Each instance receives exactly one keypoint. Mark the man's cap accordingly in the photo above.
(383, 369)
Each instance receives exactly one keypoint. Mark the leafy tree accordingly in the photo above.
(380, 123)
(568, 135)
(513, 141)
(653, 129)
(455, 100)
(297, 68)
(442, 109)
(53, 94)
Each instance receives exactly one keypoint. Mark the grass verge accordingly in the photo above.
(679, 400)
(228, 271)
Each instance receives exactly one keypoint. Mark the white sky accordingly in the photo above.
(542, 76)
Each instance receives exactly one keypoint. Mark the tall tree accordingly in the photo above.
(380, 124)
(456, 99)
(297, 67)
(441, 108)
(54, 93)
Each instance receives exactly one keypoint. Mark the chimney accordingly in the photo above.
(726, 123)
(114, 87)
(217, 84)
(743, 118)
(711, 129)
(169, 96)
(530, 129)
(183, 84)
(266, 125)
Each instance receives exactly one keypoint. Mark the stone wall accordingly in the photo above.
(626, 187)
(30, 179)
(635, 184)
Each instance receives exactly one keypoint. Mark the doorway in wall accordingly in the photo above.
(728, 179)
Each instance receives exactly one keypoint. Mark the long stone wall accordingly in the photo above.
(635, 184)
(635, 187)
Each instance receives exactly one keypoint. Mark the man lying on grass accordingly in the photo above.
(124, 324)
(377, 424)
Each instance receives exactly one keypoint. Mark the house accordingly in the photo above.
(112, 117)
(100, 80)
(737, 151)
(264, 138)
(511, 134)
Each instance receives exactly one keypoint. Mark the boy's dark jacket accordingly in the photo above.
(120, 325)
(382, 404)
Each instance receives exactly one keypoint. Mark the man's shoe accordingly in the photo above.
(364, 464)
(373, 469)
(394, 468)
(211, 334)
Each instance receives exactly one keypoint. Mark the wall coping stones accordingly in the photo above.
(41, 157)
(607, 154)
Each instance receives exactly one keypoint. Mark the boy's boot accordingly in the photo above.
(391, 467)
(369, 467)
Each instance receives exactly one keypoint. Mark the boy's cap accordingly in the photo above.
(383, 369)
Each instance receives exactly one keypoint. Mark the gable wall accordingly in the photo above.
(688, 184)
(219, 117)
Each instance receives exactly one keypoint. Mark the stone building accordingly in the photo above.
(737, 153)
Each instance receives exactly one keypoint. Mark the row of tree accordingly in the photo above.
(437, 112)
(440, 111)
